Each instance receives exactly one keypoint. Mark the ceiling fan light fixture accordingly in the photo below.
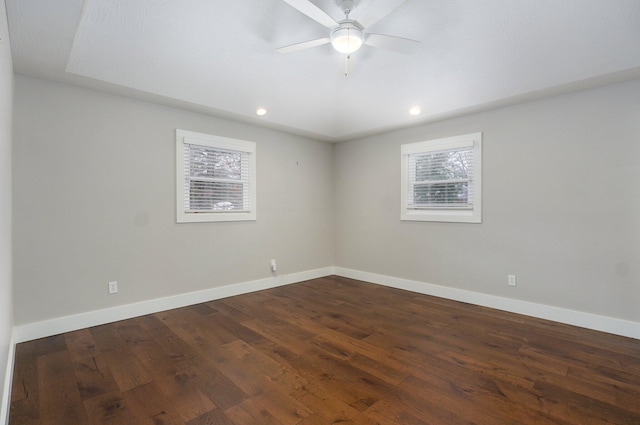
(347, 38)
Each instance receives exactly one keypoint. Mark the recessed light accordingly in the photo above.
(261, 111)
(415, 110)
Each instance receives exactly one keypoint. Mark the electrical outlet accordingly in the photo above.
(511, 280)
(113, 287)
(273, 265)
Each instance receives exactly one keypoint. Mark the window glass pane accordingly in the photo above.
(441, 193)
(215, 196)
(209, 162)
(447, 165)
(442, 178)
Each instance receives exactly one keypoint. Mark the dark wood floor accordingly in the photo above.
(328, 351)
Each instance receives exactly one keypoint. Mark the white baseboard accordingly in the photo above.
(542, 311)
(5, 403)
(59, 325)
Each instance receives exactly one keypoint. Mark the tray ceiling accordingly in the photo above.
(219, 56)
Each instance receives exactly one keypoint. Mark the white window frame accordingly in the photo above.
(469, 214)
(184, 137)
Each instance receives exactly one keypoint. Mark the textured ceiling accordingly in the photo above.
(219, 56)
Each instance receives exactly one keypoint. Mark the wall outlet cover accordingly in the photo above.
(113, 287)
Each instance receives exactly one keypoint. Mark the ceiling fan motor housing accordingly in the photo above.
(347, 37)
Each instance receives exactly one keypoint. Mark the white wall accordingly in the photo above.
(561, 205)
(94, 201)
(6, 311)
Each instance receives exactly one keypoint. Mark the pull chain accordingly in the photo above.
(346, 65)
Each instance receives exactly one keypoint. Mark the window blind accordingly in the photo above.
(215, 180)
(441, 179)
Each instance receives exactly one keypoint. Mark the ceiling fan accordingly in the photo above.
(349, 35)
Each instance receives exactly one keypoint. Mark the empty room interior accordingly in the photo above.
(309, 212)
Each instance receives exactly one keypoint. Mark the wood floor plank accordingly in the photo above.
(237, 329)
(288, 336)
(25, 376)
(60, 400)
(49, 345)
(24, 407)
(132, 333)
(127, 371)
(628, 400)
(223, 392)
(389, 413)
(203, 339)
(25, 412)
(286, 410)
(309, 316)
(357, 388)
(195, 321)
(150, 406)
(329, 408)
(328, 351)
(109, 409)
(93, 376)
(180, 388)
(213, 417)
(151, 321)
(361, 355)
(250, 412)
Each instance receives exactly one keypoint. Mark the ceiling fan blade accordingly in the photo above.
(376, 11)
(304, 45)
(312, 11)
(389, 42)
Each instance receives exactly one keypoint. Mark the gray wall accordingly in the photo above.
(94, 201)
(6, 100)
(561, 205)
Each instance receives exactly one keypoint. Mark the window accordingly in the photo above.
(441, 179)
(215, 178)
